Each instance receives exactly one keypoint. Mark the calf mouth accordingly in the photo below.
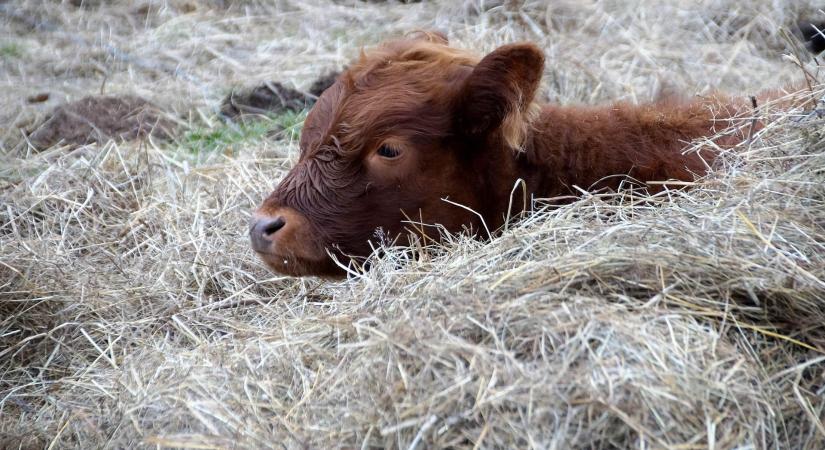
(297, 267)
(289, 245)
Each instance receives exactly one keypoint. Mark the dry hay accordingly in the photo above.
(133, 314)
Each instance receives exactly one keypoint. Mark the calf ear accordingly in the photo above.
(499, 92)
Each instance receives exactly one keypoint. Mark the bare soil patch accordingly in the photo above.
(273, 97)
(100, 119)
(269, 98)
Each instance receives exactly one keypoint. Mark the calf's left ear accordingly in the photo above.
(499, 92)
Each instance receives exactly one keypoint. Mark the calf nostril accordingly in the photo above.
(273, 226)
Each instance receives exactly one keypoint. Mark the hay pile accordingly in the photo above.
(133, 314)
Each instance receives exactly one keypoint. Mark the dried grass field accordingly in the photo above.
(133, 313)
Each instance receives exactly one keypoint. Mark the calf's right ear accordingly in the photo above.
(497, 95)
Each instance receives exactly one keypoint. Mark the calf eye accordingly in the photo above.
(388, 152)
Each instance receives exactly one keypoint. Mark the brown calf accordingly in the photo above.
(415, 127)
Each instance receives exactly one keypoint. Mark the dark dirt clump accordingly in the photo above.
(273, 98)
(812, 35)
(100, 119)
(391, 1)
(268, 98)
(323, 83)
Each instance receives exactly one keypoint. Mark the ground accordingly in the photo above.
(134, 314)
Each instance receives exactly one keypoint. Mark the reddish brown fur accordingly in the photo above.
(466, 131)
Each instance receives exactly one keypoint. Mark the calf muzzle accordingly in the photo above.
(262, 232)
(288, 243)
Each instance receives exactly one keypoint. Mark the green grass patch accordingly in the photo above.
(226, 137)
(291, 123)
(10, 50)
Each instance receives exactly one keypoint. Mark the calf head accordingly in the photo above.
(410, 124)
